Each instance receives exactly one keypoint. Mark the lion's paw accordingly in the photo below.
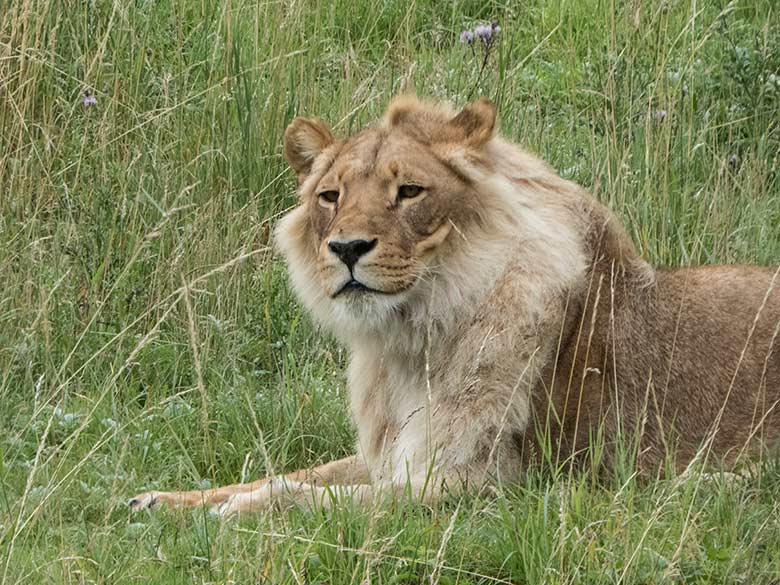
(229, 508)
(145, 501)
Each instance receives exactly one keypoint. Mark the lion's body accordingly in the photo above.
(496, 314)
(690, 358)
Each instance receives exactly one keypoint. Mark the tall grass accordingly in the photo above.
(148, 338)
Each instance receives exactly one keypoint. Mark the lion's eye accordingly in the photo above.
(409, 191)
(329, 196)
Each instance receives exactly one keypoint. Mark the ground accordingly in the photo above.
(149, 338)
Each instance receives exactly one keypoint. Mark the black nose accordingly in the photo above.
(350, 252)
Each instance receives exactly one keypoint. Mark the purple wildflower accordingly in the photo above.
(487, 33)
(660, 115)
(484, 32)
(88, 99)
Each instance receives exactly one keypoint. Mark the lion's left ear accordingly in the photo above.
(476, 122)
(304, 141)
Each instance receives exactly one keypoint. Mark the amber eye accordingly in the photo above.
(329, 196)
(409, 191)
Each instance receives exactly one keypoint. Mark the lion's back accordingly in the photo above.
(697, 349)
(704, 350)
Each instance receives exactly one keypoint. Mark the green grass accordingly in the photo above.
(148, 336)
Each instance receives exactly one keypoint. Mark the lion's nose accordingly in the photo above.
(350, 252)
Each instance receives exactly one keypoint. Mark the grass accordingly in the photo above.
(149, 339)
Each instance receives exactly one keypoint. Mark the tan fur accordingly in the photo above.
(506, 306)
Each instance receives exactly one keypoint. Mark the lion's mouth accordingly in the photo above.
(356, 286)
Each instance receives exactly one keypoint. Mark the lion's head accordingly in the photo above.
(396, 221)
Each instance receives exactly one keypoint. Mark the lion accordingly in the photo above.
(497, 315)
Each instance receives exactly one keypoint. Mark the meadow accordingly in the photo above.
(149, 338)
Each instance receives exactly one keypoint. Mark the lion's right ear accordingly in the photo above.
(304, 140)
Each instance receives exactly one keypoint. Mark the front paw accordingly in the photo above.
(233, 506)
(145, 501)
(225, 509)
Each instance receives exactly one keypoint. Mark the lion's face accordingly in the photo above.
(378, 208)
(378, 215)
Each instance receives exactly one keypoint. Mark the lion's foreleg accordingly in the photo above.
(350, 470)
(284, 492)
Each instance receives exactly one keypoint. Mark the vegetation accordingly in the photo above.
(149, 338)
